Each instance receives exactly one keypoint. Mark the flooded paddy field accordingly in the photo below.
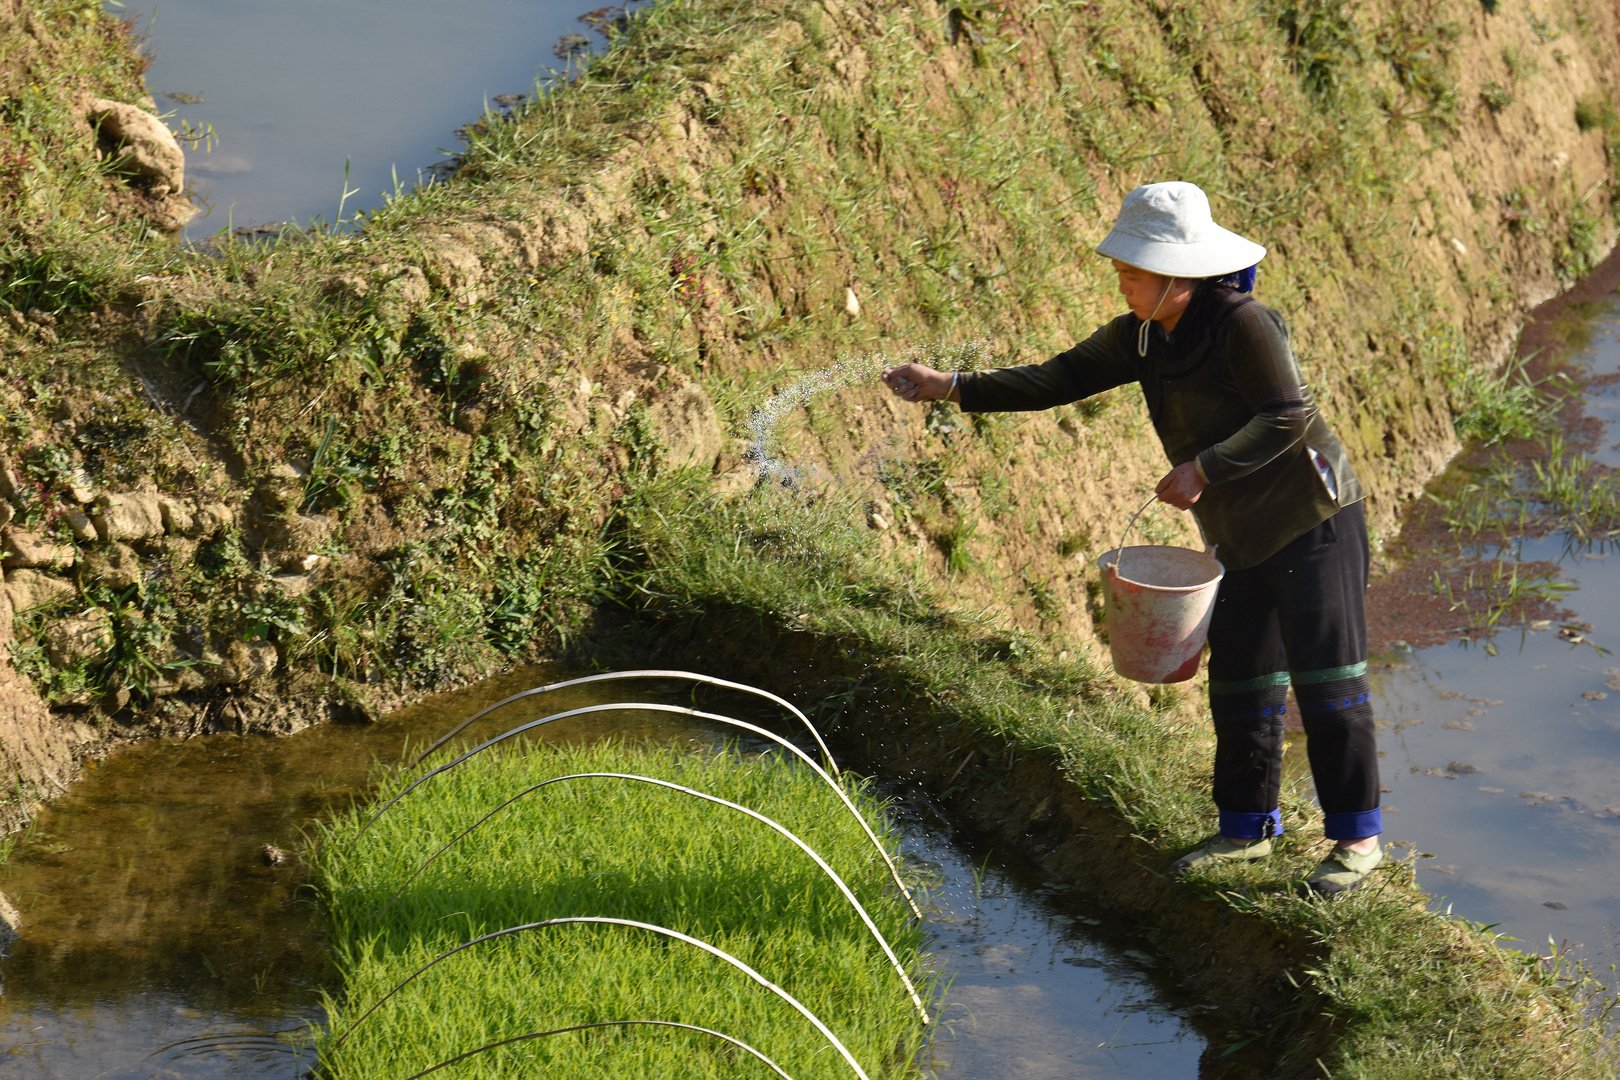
(1500, 754)
(306, 100)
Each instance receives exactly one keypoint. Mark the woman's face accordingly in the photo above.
(1142, 289)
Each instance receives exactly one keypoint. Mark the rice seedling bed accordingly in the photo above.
(626, 850)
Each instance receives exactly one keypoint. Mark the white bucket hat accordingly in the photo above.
(1168, 229)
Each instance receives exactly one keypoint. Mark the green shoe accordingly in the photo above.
(1218, 849)
(1343, 870)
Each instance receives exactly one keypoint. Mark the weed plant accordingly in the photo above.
(1558, 490)
(604, 847)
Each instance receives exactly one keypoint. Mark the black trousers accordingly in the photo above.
(1300, 617)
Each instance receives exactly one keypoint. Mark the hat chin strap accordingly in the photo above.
(1142, 334)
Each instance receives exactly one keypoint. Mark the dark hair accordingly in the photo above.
(1241, 280)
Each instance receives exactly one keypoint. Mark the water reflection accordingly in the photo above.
(295, 89)
(1033, 995)
(1504, 766)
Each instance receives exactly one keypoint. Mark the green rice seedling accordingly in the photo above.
(642, 706)
(773, 1066)
(617, 676)
(637, 854)
(762, 819)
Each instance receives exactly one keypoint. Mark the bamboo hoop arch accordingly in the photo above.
(838, 790)
(639, 673)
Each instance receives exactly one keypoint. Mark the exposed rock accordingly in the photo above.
(298, 535)
(145, 146)
(177, 515)
(353, 286)
(29, 589)
(10, 486)
(294, 585)
(253, 659)
(287, 471)
(687, 425)
(181, 680)
(409, 287)
(129, 515)
(10, 922)
(79, 485)
(211, 518)
(115, 566)
(84, 530)
(31, 747)
(179, 549)
(6, 513)
(80, 638)
(29, 549)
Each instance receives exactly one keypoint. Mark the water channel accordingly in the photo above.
(159, 943)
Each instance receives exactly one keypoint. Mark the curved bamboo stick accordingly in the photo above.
(606, 921)
(871, 926)
(774, 1067)
(682, 710)
(640, 673)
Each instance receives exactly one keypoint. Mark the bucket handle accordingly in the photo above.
(1209, 548)
(1129, 525)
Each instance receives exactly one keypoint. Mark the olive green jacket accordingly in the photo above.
(1223, 389)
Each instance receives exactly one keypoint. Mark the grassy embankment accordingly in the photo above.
(619, 849)
(458, 407)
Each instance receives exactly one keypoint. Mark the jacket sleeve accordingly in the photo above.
(1268, 380)
(1096, 364)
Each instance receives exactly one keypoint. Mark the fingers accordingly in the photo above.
(904, 381)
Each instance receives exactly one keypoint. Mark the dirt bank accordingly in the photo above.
(360, 466)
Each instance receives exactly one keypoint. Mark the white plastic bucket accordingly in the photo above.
(1158, 602)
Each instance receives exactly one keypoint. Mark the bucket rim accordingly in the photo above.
(1220, 567)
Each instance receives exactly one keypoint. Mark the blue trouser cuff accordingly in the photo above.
(1357, 825)
(1248, 825)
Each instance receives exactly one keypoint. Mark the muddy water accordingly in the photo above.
(1506, 768)
(294, 90)
(158, 942)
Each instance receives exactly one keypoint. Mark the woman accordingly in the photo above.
(1270, 487)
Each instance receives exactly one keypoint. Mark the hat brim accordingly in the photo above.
(1222, 252)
